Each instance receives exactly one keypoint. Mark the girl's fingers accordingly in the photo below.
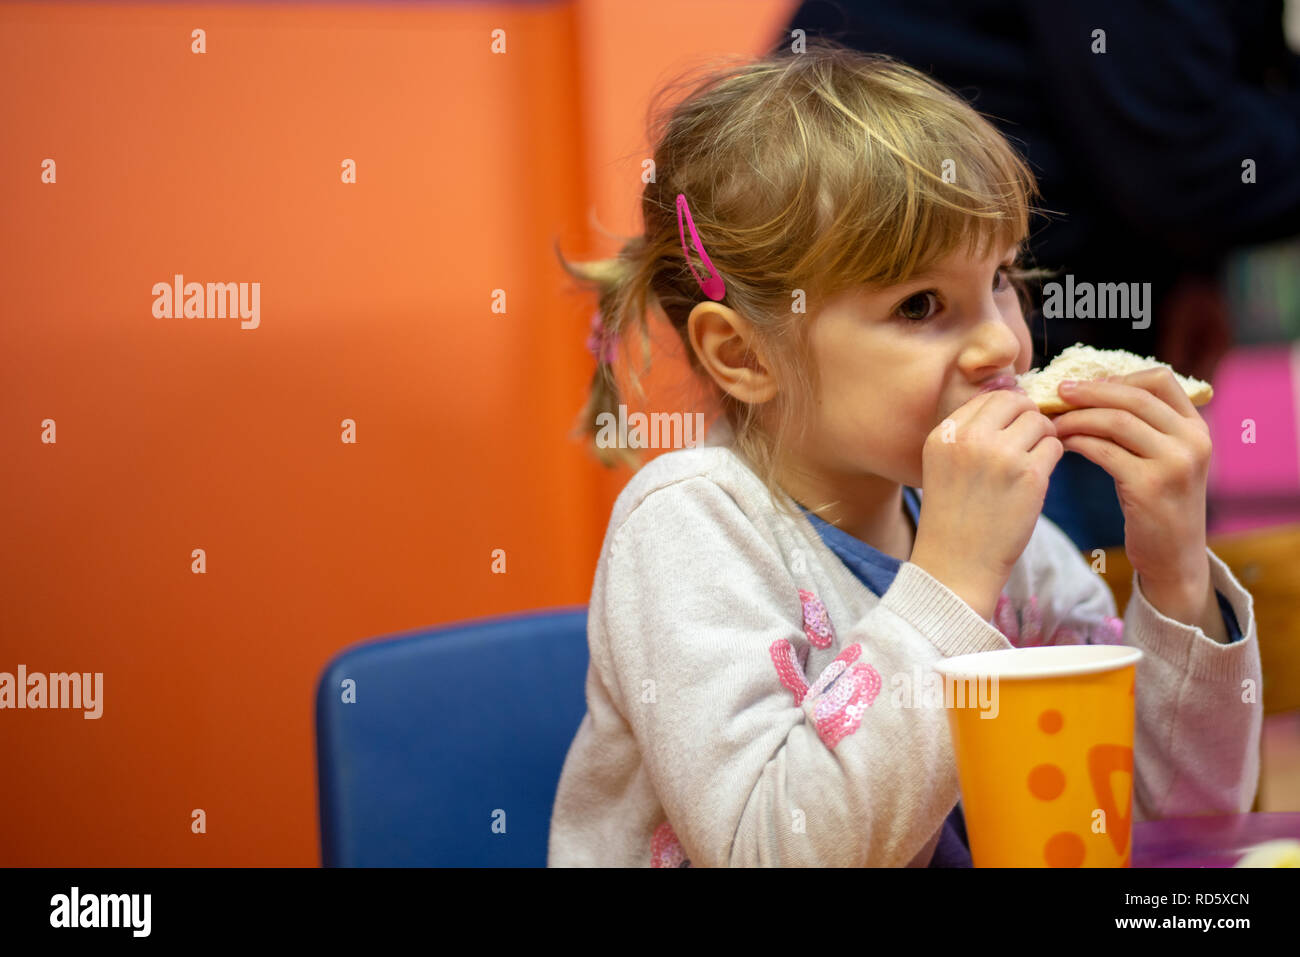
(1118, 425)
(999, 408)
(1028, 428)
(1114, 459)
(1145, 394)
(1160, 382)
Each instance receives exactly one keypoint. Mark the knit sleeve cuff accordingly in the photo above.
(1188, 647)
(933, 609)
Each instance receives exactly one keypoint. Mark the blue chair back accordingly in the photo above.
(451, 752)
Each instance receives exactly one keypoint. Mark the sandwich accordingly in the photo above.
(1084, 363)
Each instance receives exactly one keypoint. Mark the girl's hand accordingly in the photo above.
(1144, 431)
(984, 471)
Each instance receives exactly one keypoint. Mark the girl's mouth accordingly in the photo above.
(1002, 382)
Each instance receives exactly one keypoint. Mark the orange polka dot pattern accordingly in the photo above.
(1064, 849)
(1047, 782)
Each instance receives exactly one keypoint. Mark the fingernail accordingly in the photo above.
(1068, 385)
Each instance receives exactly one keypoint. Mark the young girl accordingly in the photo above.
(835, 238)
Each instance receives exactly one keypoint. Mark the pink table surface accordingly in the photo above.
(1210, 841)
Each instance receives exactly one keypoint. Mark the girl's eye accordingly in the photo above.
(915, 308)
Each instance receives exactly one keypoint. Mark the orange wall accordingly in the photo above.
(187, 433)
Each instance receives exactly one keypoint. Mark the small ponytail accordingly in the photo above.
(620, 305)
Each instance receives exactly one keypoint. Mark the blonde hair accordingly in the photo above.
(817, 171)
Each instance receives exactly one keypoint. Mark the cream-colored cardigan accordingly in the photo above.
(739, 705)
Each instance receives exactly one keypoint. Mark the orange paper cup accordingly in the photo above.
(1046, 771)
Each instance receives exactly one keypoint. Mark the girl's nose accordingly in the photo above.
(996, 336)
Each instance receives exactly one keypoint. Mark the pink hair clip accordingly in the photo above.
(601, 343)
(713, 287)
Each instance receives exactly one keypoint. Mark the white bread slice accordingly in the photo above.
(1086, 363)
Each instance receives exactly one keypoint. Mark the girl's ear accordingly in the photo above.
(727, 348)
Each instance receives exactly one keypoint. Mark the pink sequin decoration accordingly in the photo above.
(836, 668)
(788, 669)
(665, 849)
(844, 690)
(816, 622)
(1024, 627)
(840, 711)
(1109, 631)
(1004, 618)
